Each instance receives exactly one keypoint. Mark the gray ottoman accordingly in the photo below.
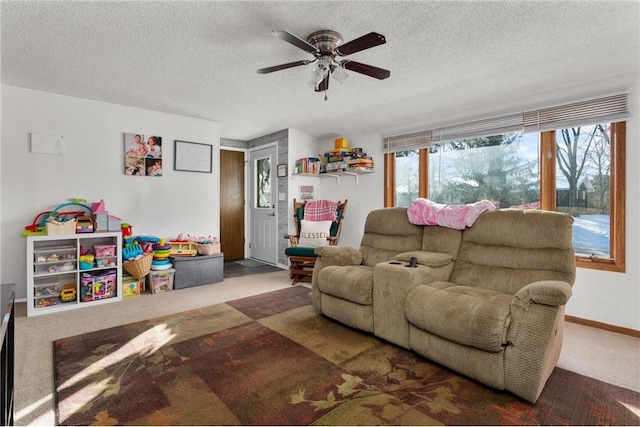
(197, 270)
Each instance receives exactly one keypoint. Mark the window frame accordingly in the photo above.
(547, 161)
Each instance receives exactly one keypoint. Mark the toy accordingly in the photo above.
(181, 248)
(105, 251)
(133, 251)
(98, 286)
(86, 261)
(127, 230)
(68, 292)
(46, 302)
(84, 224)
(130, 288)
(161, 252)
(46, 291)
(67, 266)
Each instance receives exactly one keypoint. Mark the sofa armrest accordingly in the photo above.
(331, 255)
(548, 292)
(338, 255)
(534, 336)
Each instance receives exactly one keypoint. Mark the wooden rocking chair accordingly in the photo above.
(302, 259)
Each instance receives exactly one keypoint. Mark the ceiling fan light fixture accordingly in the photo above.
(339, 74)
(325, 45)
(319, 72)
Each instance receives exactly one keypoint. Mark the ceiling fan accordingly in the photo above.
(326, 46)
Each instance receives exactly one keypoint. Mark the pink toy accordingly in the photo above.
(98, 207)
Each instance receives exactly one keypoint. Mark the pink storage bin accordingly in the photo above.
(105, 251)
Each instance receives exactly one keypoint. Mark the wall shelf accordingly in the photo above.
(336, 175)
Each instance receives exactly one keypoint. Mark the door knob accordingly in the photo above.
(272, 214)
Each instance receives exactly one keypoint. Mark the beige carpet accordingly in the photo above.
(586, 350)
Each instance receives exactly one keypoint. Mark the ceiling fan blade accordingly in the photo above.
(361, 43)
(282, 67)
(324, 84)
(294, 40)
(367, 70)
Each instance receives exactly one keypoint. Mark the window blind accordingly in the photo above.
(409, 141)
(596, 110)
(589, 112)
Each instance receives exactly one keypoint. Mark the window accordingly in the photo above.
(574, 170)
(503, 169)
(588, 167)
(407, 178)
(263, 184)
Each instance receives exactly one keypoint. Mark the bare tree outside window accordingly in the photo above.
(582, 185)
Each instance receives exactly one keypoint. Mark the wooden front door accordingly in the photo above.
(232, 206)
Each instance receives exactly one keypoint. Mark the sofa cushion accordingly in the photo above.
(388, 232)
(352, 283)
(507, 249)
(430, 259)
(470, 316)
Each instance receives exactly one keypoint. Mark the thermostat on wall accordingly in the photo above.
(47, 144)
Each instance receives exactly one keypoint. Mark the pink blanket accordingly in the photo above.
(321, 210)
(426, 212)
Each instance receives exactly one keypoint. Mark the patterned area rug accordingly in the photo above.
(269, 360)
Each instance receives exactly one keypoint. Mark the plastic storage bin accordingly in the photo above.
(50, 288)
(106, 261)
(160, 281)
(54, 260)
(105, 251)
(45, 301)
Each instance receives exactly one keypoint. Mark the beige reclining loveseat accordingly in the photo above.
(487, 301)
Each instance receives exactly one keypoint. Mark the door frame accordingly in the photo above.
(247, 174)
(248, 189)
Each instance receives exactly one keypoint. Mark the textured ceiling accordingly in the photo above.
(200, 59)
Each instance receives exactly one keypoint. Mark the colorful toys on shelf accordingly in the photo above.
(90, 218)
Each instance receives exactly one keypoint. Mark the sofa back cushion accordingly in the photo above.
(505, 250)
(388, 232)
(441, 240)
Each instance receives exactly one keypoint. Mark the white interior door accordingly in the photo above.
(264, 224)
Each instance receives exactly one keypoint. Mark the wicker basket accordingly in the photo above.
(209, 248)
(140, 267)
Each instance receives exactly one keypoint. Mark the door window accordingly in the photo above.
(263, 184)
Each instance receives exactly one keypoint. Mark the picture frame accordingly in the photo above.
(142, 154)
(282, 170)
(193, 157)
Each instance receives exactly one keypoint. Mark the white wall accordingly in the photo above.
(300, 145)
(611, 298)
(364, 192)
(92, 168)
